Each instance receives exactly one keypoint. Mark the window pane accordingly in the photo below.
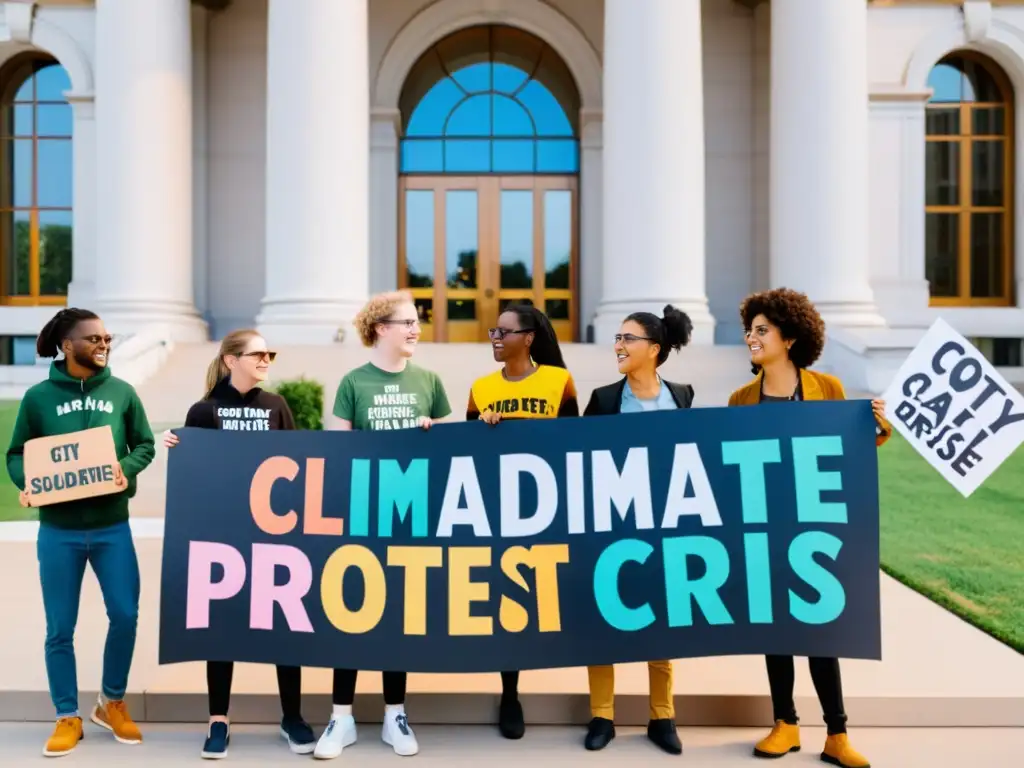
(557, 156)
(467, 156)
(517, 238)
(942, 122)
(18, 120)
(514, 156)
(429, 115)
(557, 238)
(471, 118)
(986, 255)
(54, 174)
(419, 238)
(988, 172)
(946, 82)
(422, 156)
(547, 113)
(54, 252)
(51, 83)
(461, 240)
(557, 309)
(18, 158)
(508, 79)
(476, 78)
(941, 245)
(510, 119)
(989, 121)
(942, 173)
(54, 120)
(14, 231)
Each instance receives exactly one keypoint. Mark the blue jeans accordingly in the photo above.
(63, 554)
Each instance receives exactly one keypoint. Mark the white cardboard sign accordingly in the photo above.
(955, 408)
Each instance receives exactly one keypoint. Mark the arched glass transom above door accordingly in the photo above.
(488, 194)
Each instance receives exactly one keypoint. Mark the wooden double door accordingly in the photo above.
(468, 246)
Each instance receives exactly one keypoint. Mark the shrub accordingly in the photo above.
(306, 399)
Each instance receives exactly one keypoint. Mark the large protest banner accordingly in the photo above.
(952, 405)
(470, 548)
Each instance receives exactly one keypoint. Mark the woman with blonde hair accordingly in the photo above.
(389, 392)
(232, 382)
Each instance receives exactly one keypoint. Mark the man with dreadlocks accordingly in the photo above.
(79, 394)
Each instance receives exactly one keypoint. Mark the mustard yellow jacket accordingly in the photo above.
(815, 386)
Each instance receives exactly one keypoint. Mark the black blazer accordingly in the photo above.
(607, 400)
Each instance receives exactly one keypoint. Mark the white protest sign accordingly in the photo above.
(955, 408)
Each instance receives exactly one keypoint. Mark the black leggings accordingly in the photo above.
(218, 686)
(345, 687)
(509, 685)
(827, 682)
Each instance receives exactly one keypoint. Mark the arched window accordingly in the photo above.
(35, 182)
(969, 183)
(487, 100)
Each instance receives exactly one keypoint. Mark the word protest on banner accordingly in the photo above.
(76, 465)
(555, 543)
(955, 408)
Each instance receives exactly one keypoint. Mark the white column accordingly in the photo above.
(82, 291)
(144, 165)
(384, 129)
(653, 250)
(317, 170)
(819, 235)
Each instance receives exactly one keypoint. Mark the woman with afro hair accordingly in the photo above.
(786, 335)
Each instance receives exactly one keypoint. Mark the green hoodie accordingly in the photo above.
(64, 404)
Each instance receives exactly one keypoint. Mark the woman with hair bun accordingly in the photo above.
(642, 345)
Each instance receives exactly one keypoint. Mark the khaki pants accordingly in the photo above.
(602, 691)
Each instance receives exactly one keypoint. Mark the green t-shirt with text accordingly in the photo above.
(374, 399)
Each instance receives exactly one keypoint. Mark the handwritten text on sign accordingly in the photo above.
(955, 408)
(529, 545)
(72, 466)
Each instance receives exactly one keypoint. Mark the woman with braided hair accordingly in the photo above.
(80, 393)
(532, 383)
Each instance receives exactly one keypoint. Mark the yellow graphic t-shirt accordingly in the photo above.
(546, 393)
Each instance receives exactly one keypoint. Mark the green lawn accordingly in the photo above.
(965, 554)
(10, 509)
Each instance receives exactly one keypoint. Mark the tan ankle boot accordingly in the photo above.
(783, 739)
(839, 752)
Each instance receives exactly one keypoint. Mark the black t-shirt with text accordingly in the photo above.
(226, 408)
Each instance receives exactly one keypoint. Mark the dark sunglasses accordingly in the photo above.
(268, 356)
(501, 333)
(96, 339)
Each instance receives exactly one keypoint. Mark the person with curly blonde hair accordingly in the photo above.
(786, 335)
(389, 392)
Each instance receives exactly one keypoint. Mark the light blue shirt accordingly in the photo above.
(632, 404)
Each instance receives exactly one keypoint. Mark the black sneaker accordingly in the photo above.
(510, 719)
(664, 734)
(298, 734)
(600, 732)
(216, 745)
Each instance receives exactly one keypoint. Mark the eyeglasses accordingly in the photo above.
(501, 333)
(761, 331)
(96, 339)
(261, 355)
(629, 338)
(407, 323)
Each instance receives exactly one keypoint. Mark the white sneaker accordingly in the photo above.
(397, 732)
(337, 735)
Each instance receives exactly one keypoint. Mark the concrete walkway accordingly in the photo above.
(472, 746)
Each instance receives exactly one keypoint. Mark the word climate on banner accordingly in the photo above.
(472, 548)
(955, 408)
